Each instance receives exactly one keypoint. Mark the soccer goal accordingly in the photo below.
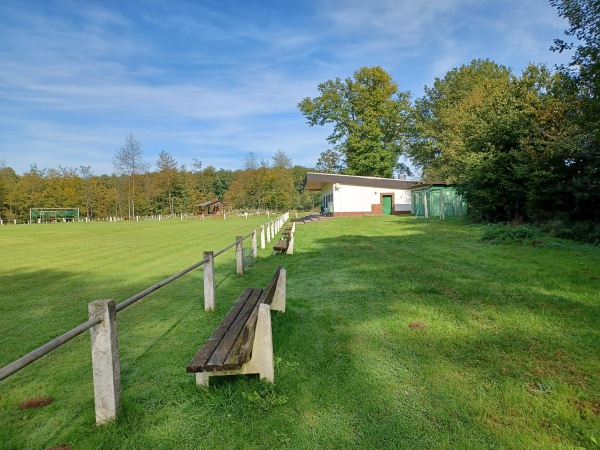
(53, 215)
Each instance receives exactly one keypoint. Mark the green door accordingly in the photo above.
(387, 205)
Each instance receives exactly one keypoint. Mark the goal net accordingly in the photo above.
(52, 215)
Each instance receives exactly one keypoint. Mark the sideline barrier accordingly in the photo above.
(102, 323)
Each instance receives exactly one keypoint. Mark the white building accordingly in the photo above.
(348, 195)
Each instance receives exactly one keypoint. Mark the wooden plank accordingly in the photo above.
(242, 349)
(202, 357)
(281, 244)
(230, 343)
(269, 292)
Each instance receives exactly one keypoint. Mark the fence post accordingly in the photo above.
(254, 247)
(105, 360)
(262, 237)
(239, 254)
(268, 231)
(209, 281)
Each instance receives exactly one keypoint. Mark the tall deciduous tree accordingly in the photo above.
(167, 177)
(8, 181)
(370, 117)
(584, 70)
(330, 161)
(129, 161)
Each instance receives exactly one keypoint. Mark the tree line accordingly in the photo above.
(170, 189)
(520, 147)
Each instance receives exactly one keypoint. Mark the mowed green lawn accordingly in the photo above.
(398, 333)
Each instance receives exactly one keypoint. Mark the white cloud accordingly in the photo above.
(224, 81)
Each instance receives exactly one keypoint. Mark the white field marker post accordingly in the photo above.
(209, 281)
(262, 237)
(105, 360)
(254, 247)
(239, 254)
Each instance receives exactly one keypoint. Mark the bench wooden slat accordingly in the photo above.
(281, 244)
(230, 344)
(235, 359)
(204, 354)
(269, 292)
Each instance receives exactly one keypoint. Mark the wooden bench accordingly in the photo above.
(281, 246)
(243, 341)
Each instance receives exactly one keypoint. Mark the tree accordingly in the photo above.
(447, 124)
(370, 117)
(584, 21)
(330, 161)
(8, 181)
(128, 161)
(281, 160)
(167, 177)
(584, 71)
(250, 161)
(500, 137)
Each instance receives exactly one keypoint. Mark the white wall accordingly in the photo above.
(347, 198)
(402, 200)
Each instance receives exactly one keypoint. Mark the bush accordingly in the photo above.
(588, 232)
(506, 234)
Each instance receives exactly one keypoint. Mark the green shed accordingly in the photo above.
(438, 200)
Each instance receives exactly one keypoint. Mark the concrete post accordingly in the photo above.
(262, 237)
(239, 254)
(254, 247)
(105, 360)
(209, 281)
(290, 249)
(278, 303)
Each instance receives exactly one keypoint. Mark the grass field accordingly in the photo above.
(398, 333)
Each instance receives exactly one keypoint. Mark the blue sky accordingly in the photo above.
(214, 80)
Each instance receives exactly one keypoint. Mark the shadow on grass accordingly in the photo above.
(498, 365)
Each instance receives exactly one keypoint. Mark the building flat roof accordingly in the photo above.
(315, 181)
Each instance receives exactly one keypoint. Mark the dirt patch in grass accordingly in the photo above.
(417, 324)
(36, 402)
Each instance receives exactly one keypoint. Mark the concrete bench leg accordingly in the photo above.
(278, 303)
(202, 378)
(262, 353)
